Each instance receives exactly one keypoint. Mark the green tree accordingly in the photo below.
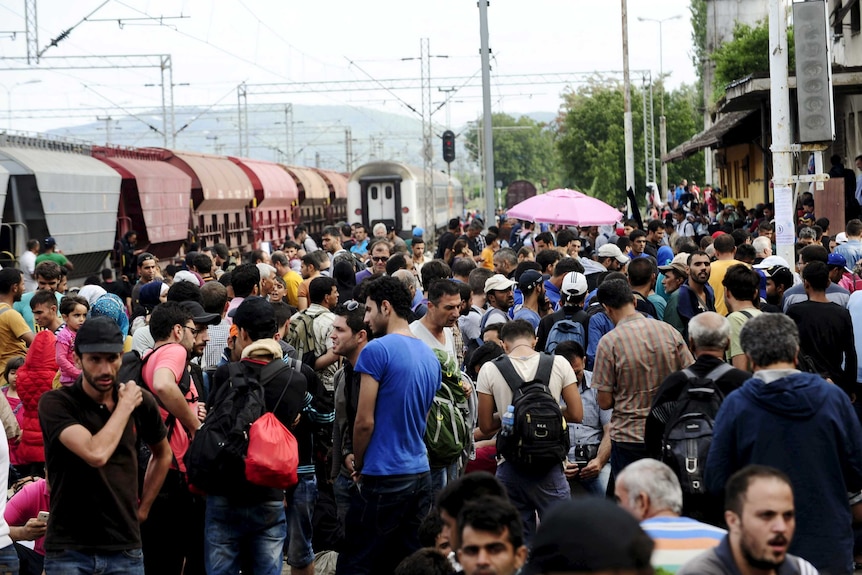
(746, 54)
(591, 138)
(523, 150)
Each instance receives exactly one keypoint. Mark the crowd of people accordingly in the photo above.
(666, 396)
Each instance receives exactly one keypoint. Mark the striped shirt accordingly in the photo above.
(678, 540)
(631, 362)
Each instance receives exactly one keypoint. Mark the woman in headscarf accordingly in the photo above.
(91, 293)
(151, 295)
(110, 305)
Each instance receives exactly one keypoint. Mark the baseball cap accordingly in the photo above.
(254, 314)
(780, 274)
(49, 242)
(199, 315)
(574, 284)
(145, 257)
(588, 535)
(418, 232)
(498, 282)
(529, 280)
(770, 262)
(612, 251)
(841, 238)
(186, 276)
(99, 334)
(837, 260)
(679, 264)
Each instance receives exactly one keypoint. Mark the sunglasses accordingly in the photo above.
(380, 258)
(351, 305)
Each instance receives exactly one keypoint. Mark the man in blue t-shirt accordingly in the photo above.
(399, 377)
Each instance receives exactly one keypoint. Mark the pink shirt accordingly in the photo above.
(173, 357)
(69, 372)
(26, 505)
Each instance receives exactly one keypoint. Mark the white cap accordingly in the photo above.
(610, 250)
(771, 261)
(841, 238)
(498, 282)
(574, 284)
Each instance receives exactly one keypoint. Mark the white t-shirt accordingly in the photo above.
(421, 332)
(491, 382)
(27, 264)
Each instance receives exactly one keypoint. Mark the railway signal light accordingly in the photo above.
(448, 146)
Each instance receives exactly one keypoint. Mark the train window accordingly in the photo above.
(373, 192)
(215, 222)
(388, 191)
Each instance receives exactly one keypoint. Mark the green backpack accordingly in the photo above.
(447, 434)
(301, 336)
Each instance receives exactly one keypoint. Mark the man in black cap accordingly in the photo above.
(173, 535)
(95, 512)
(246, 525)
(50, 253)
(590, 535)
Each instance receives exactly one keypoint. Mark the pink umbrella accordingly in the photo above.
(566, 207)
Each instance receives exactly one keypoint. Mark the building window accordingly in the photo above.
(855, 18)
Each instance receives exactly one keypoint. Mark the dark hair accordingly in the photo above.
(92, 280)
(107, 274)
(298, 230)
(456, 494)
(42, 297)
(738, 484)
(547, 258)
(655, 225)
(641, 271)
(441, 287)
(47, 271)
(516, 328)
(483, 354)
(165, 316)
(386, 288)
(739, 236)
(319, 288)
(565, 237)
(9, 278)
(70, 302)
(636, 234)
(492, 515)
(426, 561)
(724, 244)
(570, 350)
(11, 365)
(567, 265)
(853, 228)
(203, 263)
(355, 319)
(817, 275)
(243, 279)
(746, 253)
(434, 270)
(32, 244)
(184, 291)
(395, 262)
(742, 282)
(310, 260)
(813, 253)
(418, 240)
(332, 231)
(697, 253)
(213, 297)
(524, 266)
(546, 237)
(279, 258)
(615, 293)
(430, 528)
(462, 267)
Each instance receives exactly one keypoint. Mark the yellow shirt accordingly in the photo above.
(488, 258)
(717, 271)
(291, 282)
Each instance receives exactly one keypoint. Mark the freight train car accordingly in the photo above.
(518, 191)
(57, 189)
(275, 196)
(392, 193)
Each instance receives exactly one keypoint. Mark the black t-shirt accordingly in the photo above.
(445, 242)
(119, 289)
(472, 244)
(826, 336)
(291, 404)
(94, 509)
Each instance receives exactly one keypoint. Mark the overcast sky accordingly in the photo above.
(218, 45)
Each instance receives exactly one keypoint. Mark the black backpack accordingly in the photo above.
(215, 460)
(689, 427)
(540, 439)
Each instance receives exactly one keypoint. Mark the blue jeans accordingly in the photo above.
(8, 561)
(130, 562)
(531, 494)
(383, 523)
(250, 535)
(597, 486)
(342, 488)
(442, 476)
(300, 510)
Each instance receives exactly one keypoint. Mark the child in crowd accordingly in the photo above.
(11, 393)
(74, 311)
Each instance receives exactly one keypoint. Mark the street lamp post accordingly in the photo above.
(9, 99)
(662, 121)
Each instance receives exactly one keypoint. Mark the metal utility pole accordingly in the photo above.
(662, 121)
(107, 119)
(782, 157)
(31, 28)
(427, 135)
(627, 91)
(348, 149)
(242, 118)
(288, 132)
(487, 132)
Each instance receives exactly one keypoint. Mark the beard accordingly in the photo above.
(763, 563)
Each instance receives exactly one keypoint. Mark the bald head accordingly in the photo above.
(406, 277)
(709, 331)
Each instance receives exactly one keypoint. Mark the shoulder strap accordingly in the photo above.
(719, 371)
(509, 373)
(4, 309)
(746, 313)
(546, 367)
